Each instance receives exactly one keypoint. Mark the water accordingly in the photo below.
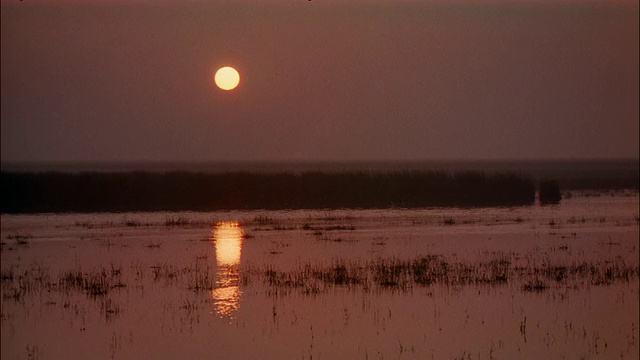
(258, 284)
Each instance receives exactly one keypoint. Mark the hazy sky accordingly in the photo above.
(133, 81)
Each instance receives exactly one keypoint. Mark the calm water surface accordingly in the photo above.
(315, 284)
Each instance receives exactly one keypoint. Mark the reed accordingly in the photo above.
(435, 270)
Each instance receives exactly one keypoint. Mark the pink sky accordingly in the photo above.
(340, 82)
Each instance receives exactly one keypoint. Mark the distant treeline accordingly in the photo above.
(177, 191)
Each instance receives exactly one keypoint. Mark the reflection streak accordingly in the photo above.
(227, 237)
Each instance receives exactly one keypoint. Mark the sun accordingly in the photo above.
(227, 78)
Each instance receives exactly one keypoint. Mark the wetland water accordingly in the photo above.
(513, 282)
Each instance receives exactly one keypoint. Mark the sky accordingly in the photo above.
(130, 81)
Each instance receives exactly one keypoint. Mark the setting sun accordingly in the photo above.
(227, 78)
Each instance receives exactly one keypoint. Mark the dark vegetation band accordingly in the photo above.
(177, 191)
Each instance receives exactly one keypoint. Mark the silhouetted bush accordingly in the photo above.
(176, 191)
(549, 192)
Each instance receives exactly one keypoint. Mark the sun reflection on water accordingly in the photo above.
(227, 237)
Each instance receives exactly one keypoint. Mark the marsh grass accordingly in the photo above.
(311, 227)
(264, 220)
(20, 239)
(164, 271)
(132, 223)
(7, 274)
(110, 309)
(200, 276)
(448, 221)
(381, 274)
(435, 270)
(94, 284)
(35, 279)
(153, 244)
(171, 222)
